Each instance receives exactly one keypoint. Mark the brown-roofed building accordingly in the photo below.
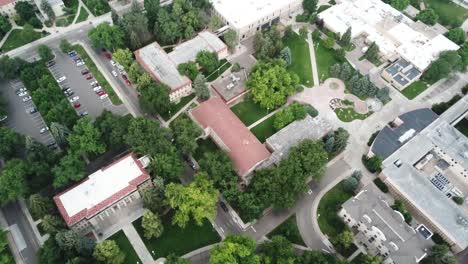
(94, 203)
(230, 134)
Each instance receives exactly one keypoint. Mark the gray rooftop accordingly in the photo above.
(387, 141)
(402, 71)
(188, 50)
(370, 202)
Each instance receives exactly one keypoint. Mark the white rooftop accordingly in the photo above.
(101, 185)
(241, 13)
(393, 32)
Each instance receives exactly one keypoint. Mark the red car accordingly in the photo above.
(76, 104)
(77, 59)
(107, 55)
(101, 93)
(89, 77)
(128, 82)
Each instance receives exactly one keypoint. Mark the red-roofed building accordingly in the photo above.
(7, 7)
(230, 134)
(88, 204)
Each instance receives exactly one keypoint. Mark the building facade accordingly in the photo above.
(7, 7)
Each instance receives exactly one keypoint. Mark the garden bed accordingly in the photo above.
(349, 114)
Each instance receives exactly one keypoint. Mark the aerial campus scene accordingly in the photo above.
(233, 131)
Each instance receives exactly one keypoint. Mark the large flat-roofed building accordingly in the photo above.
(87, 206)
(247, 17)
(231, 135)
(7, 7)
(162, 66)
(396, 35)
(383, 231)
(429, 170)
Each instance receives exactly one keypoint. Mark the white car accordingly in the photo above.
(93, 83)
(23, 94)
(104, 96)
(74, 99)
(113, 63)
(61, 79)
(26, 99)
(114, 73)
(43, 130)
(80, 63)
(21, 90)
(97, 88)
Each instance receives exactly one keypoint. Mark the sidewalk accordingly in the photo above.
(138, 244)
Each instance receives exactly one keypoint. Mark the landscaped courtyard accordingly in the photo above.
(414, 89)
(349, 114)
(300, 58)
(121, 239)
(15, 40)
(176, 240)
(450, 14)
(325, 59)
(248, 111)
(462, 126)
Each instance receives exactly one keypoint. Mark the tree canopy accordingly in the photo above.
(268, 44)
(109, 252)
(235, 249)
(13, 181)
(85, 138)
(70, 168)
(208, 60)
(155, 98)
(456, 35)
(11, 143)
(107, 36)
(188, 69)
(152, 225)
(45, 53)
(428, 16)
(185, 134)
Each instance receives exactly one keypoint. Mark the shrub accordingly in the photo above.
(302, 18)
(458, 200)
(311, 110)
(401, 207)
(465, 89)
(350, 184)
(438, 239)
(373, 164)
(381, 185)
(442, 107)
(372, 138)
(329, 43)
(236, 67)
(316, 35)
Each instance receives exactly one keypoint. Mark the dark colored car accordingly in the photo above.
(127, 82)
(89, 77)
(76, 104)
(108, 56)
(224, 207)
(85, 71)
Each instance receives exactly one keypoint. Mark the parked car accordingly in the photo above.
(224, 206)
(61, 79)
(127, 82)
(76, 104)
(89, 77)
(85, 113)
(23, 94)
(80, 63)
(113, 63)
(108, 56)
(44, 129)
(64, 88)
(93, 83)
(26, 99)
(114, 73)
(69, 92)
(101, 93)
(84, 72)
(124, 77)
(77, 59)
(21, 90)
(104, 96)
(50, 63)
(32, 110)
(97, 88)
(72, 53)
(74, 99)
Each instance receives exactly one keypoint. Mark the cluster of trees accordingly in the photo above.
(336, 141)
(108, 36)
(5, 26)
(242, 249)
(208, 61)
(439, 108)
(310, 11)
(428, 16)
(189, 69)
(27, 14)
(373, 164)
(268, 44)
(351, 183)
(399, 206)
(372, 53)
(185, 134)
(456, 35)
(291, 113)
(5, 256)
(47, 9)
(447, 63)
(270, 83)
(440, 254)
(398, 4)
(98, 7)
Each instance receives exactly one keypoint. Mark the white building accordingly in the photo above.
(396, 35)
(162, 66)
(7, 7)
(247, 16)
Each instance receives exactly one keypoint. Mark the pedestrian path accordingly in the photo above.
(267, 116)
(315, 74)
(138, 244)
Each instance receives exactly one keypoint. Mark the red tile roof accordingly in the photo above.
(89, 212)
(6, 2)
(245, 150)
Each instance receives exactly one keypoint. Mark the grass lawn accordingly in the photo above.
(348, 114)
(300, 59)
(121, 239)
(265, 129)
(248, 111)
(177, 240)
(450, 14)
(15, 40)
(82, 16)
(325, 59)
(97, 74)
(225, 65)
(204, 145)
(97, 10)
(414, 89)
(176, 107)
(462, 126)
(64, 21)
(289, 230)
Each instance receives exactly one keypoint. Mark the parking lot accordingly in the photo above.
(90, 102)
(19, 117)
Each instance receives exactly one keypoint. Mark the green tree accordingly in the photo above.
(10, 67)
(70, 168)
(268, 44)
(67, 240)
(65, 46)
(208, 60)
(152, 8)
(5, 255)
(328, 43)
(113, 128)
(197, 200)
(107, 36)
(215, 23)
(152, 225)
(345, 40)
(173, 259)
(155, 98)
(456, 35)
(45, 53)
(232, 39)
(85, 138)
(270, 83)
(219, 167)
(440, 255)
(5, 25)
(447, 63)
(51, 224)
(188, 69)
(28, 34)
(144, 80)
(185, 134)
(399, 4)
(372, 53)
(350, 184)
(344, 239)
(25, 10)
(12, 181)
(45, 6)
(428, 16)
(136, 23)
(153, 200)
(109, 252)
(201, 88)
(134, 72)
(278, 250)
(235, 249)
(124, 57)
(369, 259)
(310, 6)
(167, 165)
(11, 143)
(401, 207)
(146, 137)
(303, 31)
(373, 164)
(39, 205)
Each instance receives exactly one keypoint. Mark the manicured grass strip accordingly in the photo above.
(204, 146)
(462, 126)
(216, 73)
(177, 240)
(327, 212)
(97, 74)
(325, 59)
(176, 107)
(450, 14)
(121, 239)
(248, 111)
(289, 230)
(15, 40)
(348, 114)
(414, 89)
(265, 129)
(83, 15)
(300, 61)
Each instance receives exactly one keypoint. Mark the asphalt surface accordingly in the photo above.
(19, 117)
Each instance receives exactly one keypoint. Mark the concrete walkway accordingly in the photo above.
(182, 110)
(313, 60)
(138, 244)
(267, 116)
